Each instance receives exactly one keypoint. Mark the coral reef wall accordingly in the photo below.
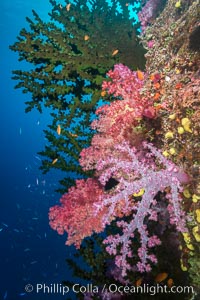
(174, 52)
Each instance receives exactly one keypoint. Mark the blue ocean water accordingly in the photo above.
(31, 253)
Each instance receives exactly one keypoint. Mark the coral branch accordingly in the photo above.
(126, 165)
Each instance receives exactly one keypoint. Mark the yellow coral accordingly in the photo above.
(196, 233)
(140, 193)
(183, 268)
(178, 4)
(172, 151)
(198, 215)
(165, 153)
(172, 117)
(169, 135)
(186, 237)
(190, 246)
(186, 123)
(181, 130)
(187, 240)
(186, 193)
(195, 198)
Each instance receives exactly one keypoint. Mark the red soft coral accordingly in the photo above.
(76, 214)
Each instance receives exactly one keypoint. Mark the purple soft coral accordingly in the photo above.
(136, 171)
(148, 13)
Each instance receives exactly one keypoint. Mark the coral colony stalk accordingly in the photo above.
(141, 171)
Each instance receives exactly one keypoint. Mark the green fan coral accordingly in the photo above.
(70, 56)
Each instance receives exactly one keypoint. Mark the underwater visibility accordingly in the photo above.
(101, 185)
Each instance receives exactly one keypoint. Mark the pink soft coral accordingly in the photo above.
(76, 213)
(117, 121)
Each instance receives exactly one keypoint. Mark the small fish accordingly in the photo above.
(5, 295)
(22, 294)
(140, 75)
(27, 249)
(45, 235)
(59, 130)
(170, 282)
(16, 230)
(86, 37)
(156, 96)
(68, 7)
(20, 131)
(43, 182)
(161, 277)
(34, 218)
(138, 282)
(54, 161)
(1, 229)
(115, 52)
(33, 262)
(37, 181)
(4, 224)
(73, 134)
(37, 157)
(103, 93)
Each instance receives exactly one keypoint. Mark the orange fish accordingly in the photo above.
(161, 277)
(170, 282)
(103, 93)
(58, 130)
(140, 75)
(73, 134)
(54, 161)
(138, 282)
(86, 37)
(68, 7)
(156, 96)
(115, 52)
